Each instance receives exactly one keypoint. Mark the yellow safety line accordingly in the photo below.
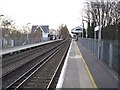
(89, 73)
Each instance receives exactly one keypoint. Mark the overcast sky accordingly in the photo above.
(43, 12)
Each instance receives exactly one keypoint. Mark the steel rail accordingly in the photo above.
(29, 75)
(28, 61)
(24, 54)
(62, 59)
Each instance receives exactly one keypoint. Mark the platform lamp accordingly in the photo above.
(86, 29)
(1, 15)
(28, 34)
(99, 27)
(1, 43)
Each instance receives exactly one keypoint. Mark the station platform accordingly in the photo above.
(83, 70)
(18, 48)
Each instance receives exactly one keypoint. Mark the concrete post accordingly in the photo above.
(102, 50)
(99, 37)
(110, 54)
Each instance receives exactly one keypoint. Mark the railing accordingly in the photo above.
(8, 42)
(106, 51)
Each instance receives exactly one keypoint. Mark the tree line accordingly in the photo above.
(63, 32)
(110, 18)
(13, 35)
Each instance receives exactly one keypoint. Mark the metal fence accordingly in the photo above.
(106, 51)
(9, 43)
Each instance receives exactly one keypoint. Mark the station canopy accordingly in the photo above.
(77, 29)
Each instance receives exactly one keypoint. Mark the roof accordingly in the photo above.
(77, 29)
(34, 28)
(45, 28)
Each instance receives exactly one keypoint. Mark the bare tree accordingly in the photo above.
(110, 14)
(110, 11)
(6, 30)
(63, 31)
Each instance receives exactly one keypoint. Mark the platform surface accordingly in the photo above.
(102, 74)
(76, 74)
(83, 70)
(18, 48)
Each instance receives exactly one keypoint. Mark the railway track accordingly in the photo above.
(16, 60)
(10, 58)
(8, 78)
(40, 75)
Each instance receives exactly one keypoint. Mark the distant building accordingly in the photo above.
(77, 31)
(52, 34)
(43, 30)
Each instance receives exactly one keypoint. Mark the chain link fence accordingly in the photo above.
(106, 51)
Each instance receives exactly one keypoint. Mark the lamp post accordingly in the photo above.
(28, 33)
(83, 27)
(99, 27)
(1, 15)
(1, 40)
(100, 22)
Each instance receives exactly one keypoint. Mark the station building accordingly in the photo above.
(42, 32)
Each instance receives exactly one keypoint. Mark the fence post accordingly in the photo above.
(99, 48)
(95, 47)
(110, 54)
